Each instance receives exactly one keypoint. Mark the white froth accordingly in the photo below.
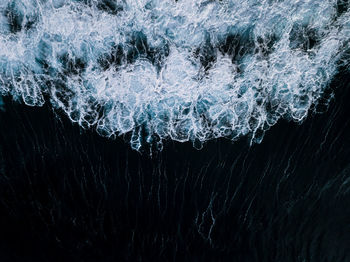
(178, 99)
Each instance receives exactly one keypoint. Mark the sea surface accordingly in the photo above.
(181, 130)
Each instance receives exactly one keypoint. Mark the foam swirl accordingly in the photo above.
(185, 70)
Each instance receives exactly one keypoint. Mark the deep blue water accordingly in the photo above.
(67, 193)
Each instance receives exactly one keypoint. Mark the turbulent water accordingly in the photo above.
(184, 70)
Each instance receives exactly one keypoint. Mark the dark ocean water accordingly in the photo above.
(67, 194)
(273, 75)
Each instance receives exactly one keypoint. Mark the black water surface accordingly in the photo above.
(67, 194)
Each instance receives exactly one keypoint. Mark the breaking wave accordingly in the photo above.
(184, 70)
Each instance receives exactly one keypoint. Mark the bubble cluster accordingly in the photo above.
(164, 69)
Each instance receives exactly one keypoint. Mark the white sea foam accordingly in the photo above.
(187, 70)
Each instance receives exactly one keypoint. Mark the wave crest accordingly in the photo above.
(173, 69)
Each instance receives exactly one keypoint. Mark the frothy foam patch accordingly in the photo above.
(184, 70)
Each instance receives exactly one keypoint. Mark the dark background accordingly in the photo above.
(67, 194)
